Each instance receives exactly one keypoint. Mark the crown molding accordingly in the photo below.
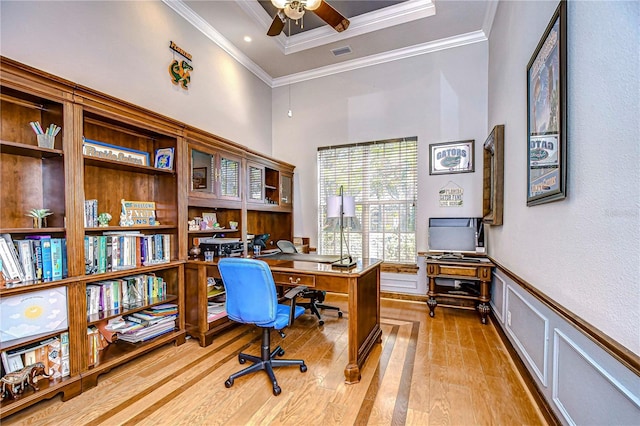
(212, 34)
(489, 16)
(394, 55)
(420, 49)
(401, 13)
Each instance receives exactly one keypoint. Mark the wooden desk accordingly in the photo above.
(460, 270)
(361, 284)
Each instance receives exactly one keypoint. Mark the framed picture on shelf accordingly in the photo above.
(199, 178)
(164, 158)
(209, 220)
(451, 157)
(547, 113)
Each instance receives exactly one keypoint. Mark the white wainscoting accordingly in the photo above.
(588, 385)
(406, 283)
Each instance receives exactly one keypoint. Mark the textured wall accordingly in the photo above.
(122, 48)
(438, 97)
(584, 251)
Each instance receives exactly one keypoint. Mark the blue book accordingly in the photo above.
(102, 254)
(56, 259)
(45, 255)
(65, 264)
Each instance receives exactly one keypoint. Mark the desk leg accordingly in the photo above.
(432, 302)
(483, 306)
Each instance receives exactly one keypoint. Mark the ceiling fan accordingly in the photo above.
(294, 9)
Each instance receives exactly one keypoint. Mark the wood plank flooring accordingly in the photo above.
(447, 370)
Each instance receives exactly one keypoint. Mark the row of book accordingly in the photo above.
(34, 258)
(124, 293)
(115, 251)
(52, 352)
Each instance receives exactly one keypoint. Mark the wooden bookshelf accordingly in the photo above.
(63, 177)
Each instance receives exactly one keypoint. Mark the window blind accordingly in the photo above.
(383, 178)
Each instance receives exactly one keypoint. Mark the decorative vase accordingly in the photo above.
(39, 222)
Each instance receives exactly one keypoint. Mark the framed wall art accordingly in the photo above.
(451, 157)
(547, 113)
(199, 178)
(493, 177)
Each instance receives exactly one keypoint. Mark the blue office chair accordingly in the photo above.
(316, 297)
(252, 299)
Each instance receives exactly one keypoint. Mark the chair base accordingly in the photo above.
(266, 362)
(315, 304)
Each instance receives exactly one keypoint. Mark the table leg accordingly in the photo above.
(432, 303)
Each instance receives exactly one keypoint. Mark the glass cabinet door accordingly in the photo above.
(256, 184)
(286, 190)
(229, 177)
(202, 172)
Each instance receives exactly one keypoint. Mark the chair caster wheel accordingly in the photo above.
(281, 352)
(228, 383)
(277, 390)
(303, 368)
(321, 322)
(339, 314)
(241, 360)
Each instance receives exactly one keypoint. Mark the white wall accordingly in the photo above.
(584, 251)
(122, 48)
(437, 97)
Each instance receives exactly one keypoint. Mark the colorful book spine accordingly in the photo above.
(56, 259)
(47, 262)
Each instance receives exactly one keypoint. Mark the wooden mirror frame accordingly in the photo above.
(493, 177)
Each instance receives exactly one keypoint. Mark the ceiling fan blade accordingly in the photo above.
(276, 26)
(332, 17)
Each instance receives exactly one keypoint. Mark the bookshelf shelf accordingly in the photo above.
(118, 165)
(120, 352)
(113, 313)
(9, 289)
(129, 228)
(27, 150)
(32, 231)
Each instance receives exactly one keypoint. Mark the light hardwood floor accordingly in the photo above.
(447, 370)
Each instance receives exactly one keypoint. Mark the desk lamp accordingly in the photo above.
(341, 206)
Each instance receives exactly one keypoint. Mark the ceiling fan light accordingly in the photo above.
(312, 4)
(294, 13)
(280, 4)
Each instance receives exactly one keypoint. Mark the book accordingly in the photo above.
(53, 351)
(9, 265)
(56, 258)
(47, 264)
(25, 252)
(37, 258)
(30, 357)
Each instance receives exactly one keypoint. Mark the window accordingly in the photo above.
(383, 178)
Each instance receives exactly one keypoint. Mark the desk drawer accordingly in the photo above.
(282, 278)
(458, 270)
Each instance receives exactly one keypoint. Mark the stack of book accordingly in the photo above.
(216, 310)
(149, 323)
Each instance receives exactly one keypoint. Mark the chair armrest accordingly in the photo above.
(292, 293)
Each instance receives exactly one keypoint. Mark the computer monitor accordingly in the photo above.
(456, 235)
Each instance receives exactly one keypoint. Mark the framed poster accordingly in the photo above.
(199, 178)
(547, 113)
(451, 157)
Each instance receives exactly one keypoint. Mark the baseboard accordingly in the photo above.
(537, 394)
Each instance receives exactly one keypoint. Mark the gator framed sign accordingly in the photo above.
(451, 157)
(547, 114)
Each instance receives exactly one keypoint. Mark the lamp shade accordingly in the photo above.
(348, 206)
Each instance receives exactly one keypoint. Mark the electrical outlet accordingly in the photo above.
(509, 318)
